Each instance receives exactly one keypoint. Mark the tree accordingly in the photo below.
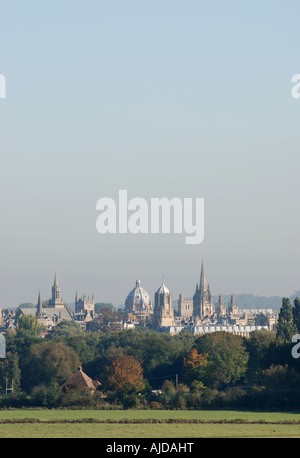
(259, 346)
(296, 313)
(194, 365)
(28, 327)
(226, 358)
(125, 375)
(10, 372)
(28, 332)
(66, 329)
(107, 318)
(48, 362)
(286, 327)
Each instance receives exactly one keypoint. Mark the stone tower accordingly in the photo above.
(221, 309)
(56, 300)
(232, 306)
(202, 300)
(84, 304)
(163, 314)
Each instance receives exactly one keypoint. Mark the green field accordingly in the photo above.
(95, 424)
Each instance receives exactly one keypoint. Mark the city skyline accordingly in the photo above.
(81, 293)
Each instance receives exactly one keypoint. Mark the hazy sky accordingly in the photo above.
(184, 98)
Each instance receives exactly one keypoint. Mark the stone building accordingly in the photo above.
(185, 307)
(221, 309)
(51, 314)
(201, 305)
(163, 314)
(84, 308)
(232, 306)
(138, 302)
(202, 300)
(56, 300)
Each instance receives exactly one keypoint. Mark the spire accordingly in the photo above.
(55, 280)
(202, 285)
(39, 306)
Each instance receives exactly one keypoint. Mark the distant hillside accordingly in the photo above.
(249, 301)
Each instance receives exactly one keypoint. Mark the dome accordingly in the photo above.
(163, 289)
(138, 300)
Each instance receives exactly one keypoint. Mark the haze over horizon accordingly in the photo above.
(163, 99)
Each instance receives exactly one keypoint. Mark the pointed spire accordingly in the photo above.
(202, 285)
(39, 306)
(55, 280)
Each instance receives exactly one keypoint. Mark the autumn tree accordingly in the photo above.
(125, 375)
(194, 365)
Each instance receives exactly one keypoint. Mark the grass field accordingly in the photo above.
(95, 424)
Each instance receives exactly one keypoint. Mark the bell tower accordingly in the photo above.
(163, 314)
(56, 300)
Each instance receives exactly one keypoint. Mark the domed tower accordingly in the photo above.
(138, 302)
(163, 309)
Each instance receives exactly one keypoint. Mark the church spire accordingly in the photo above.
(39, 306)
(55, 280)
(202, 285)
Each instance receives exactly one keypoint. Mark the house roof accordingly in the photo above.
(79, 378)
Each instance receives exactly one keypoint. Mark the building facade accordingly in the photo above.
(163, 310)
(138, 302)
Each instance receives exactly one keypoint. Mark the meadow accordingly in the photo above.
(146, 424)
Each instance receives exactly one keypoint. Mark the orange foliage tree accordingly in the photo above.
(125, 375)
(194, 365)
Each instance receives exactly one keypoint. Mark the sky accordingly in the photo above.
(168, 98)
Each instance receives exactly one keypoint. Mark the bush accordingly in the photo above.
(130, 401)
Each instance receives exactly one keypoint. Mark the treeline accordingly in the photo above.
(146, 369)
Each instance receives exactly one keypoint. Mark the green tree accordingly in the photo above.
(66, 329)
(10, 372)
(258, 346)
(28, 327)
(28, 332)
(286, 327)
(226, 358)
(296, 313)
(48, 363)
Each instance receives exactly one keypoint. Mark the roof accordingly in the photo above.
(55, 314)
(163, 289)
(79, 378)
(138, 295)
